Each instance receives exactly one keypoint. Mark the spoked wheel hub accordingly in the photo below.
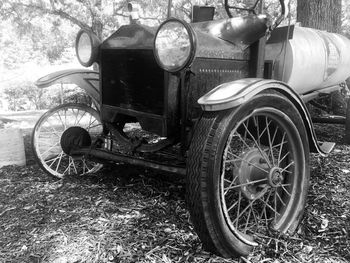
(275, 177)
(74, 138)
(251, 174)
(253, 177)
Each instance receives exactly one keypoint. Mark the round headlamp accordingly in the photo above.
(174, 45)
(86, 47)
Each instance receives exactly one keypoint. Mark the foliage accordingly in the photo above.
(24, 95)
(50, 26)
(74, 94)
(345, 19)
(40, 42)
(43, 31)
(14, 95)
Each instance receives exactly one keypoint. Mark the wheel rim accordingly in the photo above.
(47, 138)
(259, 186)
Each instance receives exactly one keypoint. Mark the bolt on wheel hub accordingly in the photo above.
(275, 177)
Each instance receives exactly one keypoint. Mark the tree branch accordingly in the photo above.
(57, 12)
(141, 17)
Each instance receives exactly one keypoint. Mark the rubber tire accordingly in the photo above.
(203, 173)
(48, 113)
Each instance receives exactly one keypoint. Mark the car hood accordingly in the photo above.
(225, 39)
(134, 36)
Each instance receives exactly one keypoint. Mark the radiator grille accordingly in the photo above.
(132, 80)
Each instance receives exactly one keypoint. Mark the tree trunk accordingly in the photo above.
(320, 14)
(96, 17)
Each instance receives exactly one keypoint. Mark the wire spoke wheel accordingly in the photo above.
(258, 174)
(47, 139)
(247, 174)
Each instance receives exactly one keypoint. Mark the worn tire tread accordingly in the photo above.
(200, 145)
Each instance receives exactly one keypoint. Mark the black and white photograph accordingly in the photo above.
(174, 131)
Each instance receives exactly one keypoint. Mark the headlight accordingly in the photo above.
(86, 47)
(174, 45)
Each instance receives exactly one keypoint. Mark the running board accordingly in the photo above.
(117, 157)
(326, 147)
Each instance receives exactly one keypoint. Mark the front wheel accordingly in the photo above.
(57, 131)
(247, 174)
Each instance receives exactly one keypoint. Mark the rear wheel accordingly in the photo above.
(60, 129)
(247, 174)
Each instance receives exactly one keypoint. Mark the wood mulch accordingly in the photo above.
(129, 214)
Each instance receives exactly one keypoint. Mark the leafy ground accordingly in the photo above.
(128, 214)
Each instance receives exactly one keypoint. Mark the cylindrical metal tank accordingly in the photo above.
(313, 59)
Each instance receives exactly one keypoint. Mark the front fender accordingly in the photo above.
(84, 78)
(232, 94)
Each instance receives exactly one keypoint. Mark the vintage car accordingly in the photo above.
(219, 101)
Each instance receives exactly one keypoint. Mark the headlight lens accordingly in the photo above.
(86, 47)
(174, 45)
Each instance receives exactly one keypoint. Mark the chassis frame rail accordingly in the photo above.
(117, 157)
